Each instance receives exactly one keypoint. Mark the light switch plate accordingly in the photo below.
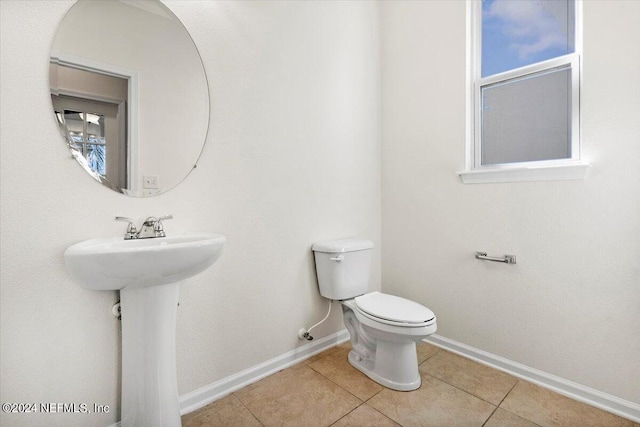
(150, 181)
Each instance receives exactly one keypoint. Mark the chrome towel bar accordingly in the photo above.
(507, 259)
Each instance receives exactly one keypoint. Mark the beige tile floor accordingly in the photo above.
(326, 391)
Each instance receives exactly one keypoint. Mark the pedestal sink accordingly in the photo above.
(147, 272)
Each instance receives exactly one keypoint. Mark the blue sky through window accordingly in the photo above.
(516, 33)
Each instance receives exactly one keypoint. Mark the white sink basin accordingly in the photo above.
(112, 263)
(148, 273)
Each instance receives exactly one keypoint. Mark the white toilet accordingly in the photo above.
(384, 328)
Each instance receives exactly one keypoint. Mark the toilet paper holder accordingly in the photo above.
(507, 259)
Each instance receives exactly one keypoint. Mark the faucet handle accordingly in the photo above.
(158, 225)
(131, 228)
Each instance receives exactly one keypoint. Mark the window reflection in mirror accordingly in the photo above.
(92, 120)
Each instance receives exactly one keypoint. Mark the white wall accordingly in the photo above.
(292, 157)
(571, 306)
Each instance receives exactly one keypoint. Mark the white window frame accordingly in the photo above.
(558, 169)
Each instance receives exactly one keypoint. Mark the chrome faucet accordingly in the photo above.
(151, 227)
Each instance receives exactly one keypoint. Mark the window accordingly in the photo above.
(524, 89)
(86, 135)
(92, 130)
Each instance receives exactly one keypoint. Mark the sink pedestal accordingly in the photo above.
(149, 381)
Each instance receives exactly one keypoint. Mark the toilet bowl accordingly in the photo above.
(383, 328)
(384, 349)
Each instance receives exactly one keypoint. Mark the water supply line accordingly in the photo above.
(304, 334)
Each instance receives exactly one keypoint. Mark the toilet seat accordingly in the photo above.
(393, 310)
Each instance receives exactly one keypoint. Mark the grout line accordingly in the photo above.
(461, 389)
(339, 386)
(375, 394)
(429, 358)
(489, 417)
(509, 392)
(513, 413)
(247, 408)
(362, 402)
(338, 420)
(373, 407)
(520, 416)
(468, 392)
(498, 405)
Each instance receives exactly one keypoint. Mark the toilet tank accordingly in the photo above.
(343, 267)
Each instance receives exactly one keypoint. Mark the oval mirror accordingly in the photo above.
(129, 94)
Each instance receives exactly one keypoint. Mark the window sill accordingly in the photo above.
(570, 171)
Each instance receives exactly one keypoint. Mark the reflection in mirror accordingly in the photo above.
(129, 94)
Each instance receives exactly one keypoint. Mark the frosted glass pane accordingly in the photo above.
(520, 33)
(74, 120)
(95, 128)
(97, 158)
(527, 119)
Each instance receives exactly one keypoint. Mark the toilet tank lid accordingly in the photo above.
(342, 245)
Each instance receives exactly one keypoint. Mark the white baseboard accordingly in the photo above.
(205, 395)
(604, 401)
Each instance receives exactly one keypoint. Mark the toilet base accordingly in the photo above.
(395, 366)
(385, 353)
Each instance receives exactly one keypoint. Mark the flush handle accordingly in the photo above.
(339, 258)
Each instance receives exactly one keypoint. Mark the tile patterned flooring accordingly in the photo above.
(326, 391)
